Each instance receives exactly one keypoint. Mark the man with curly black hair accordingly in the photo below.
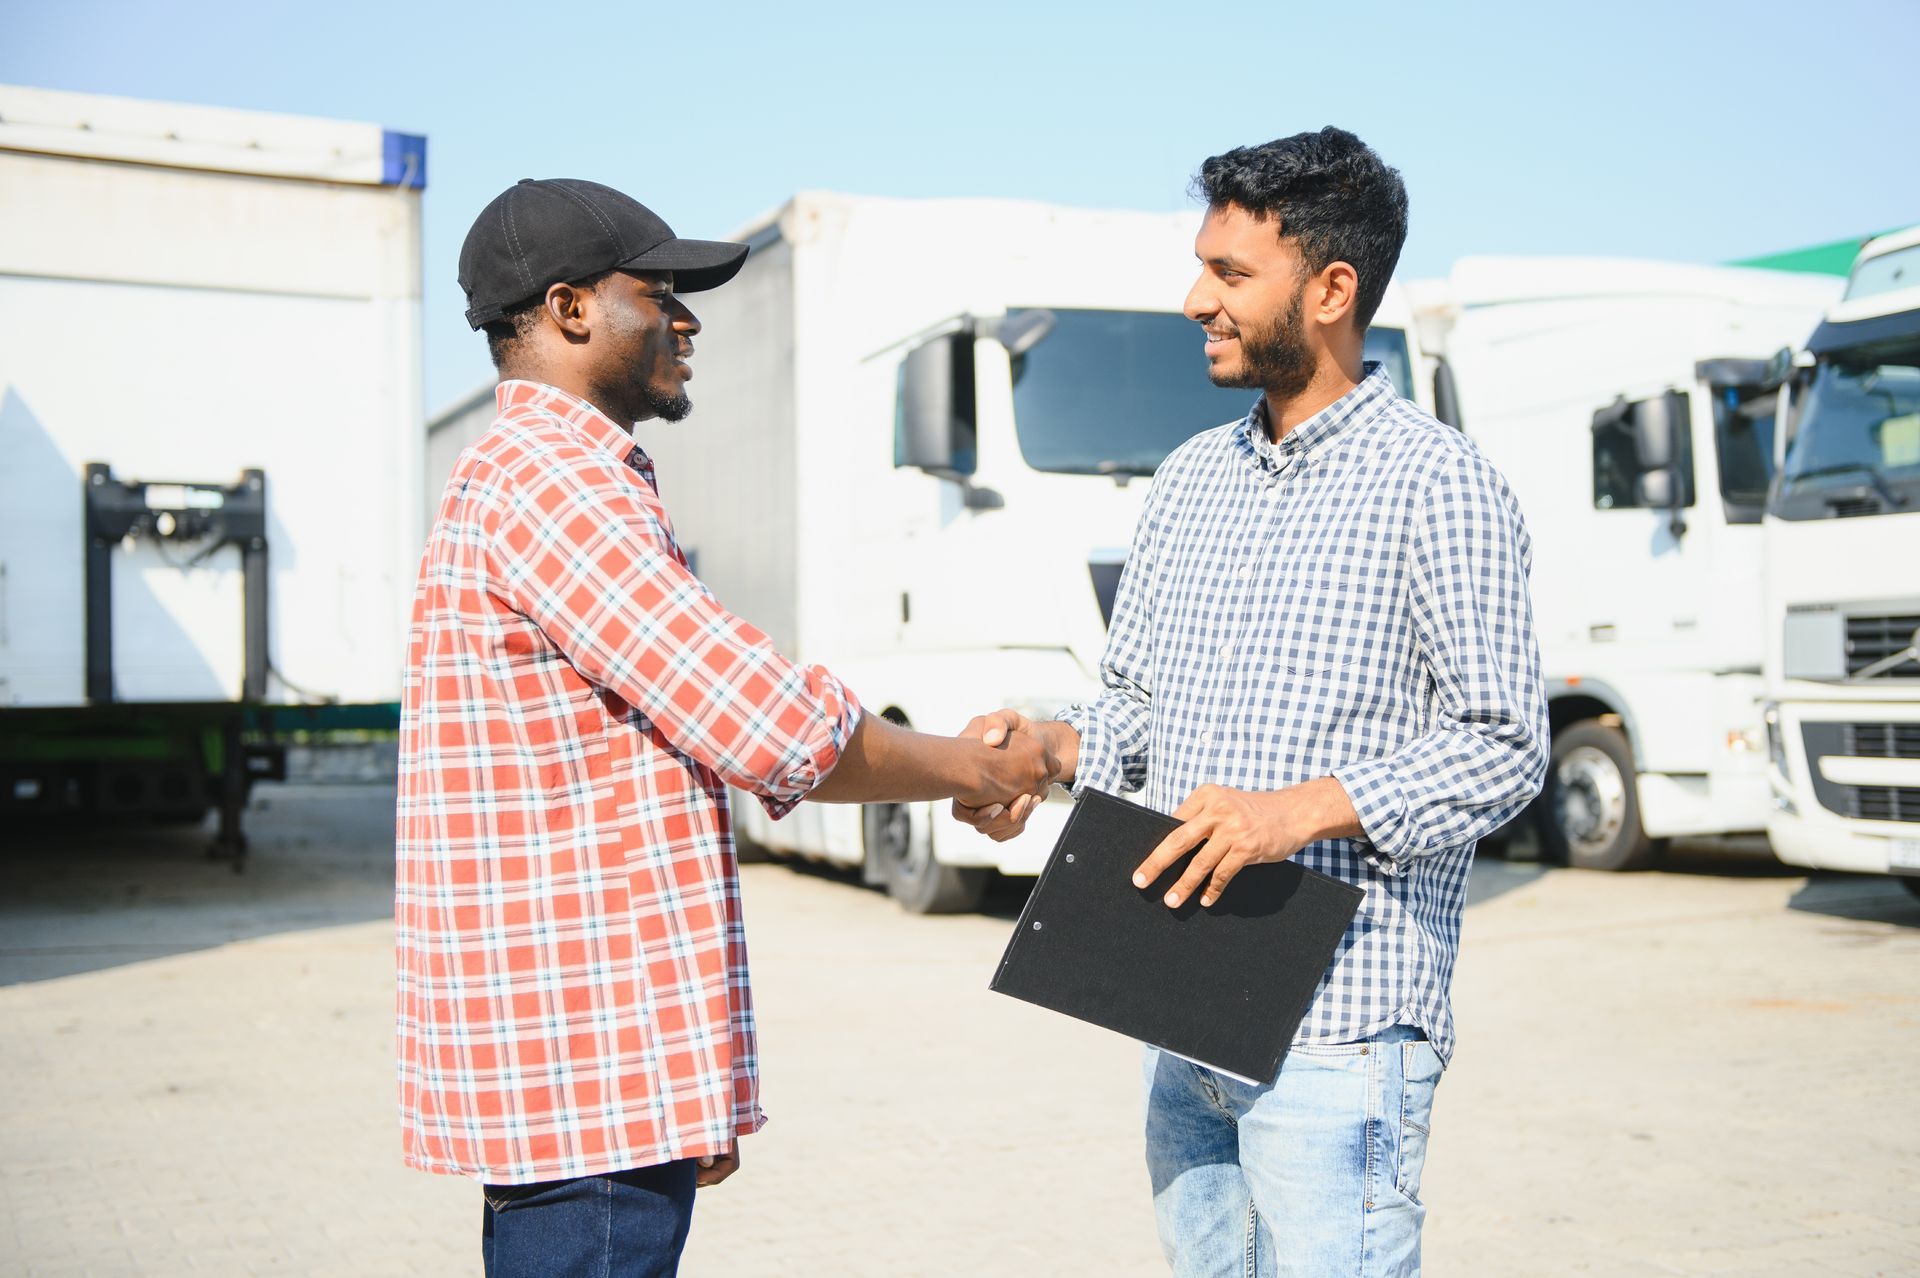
(1322, 647)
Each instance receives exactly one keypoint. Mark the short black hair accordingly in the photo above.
(1331, 193)
(505, 335)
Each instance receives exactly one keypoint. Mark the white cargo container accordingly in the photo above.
(210, 322)
(1627, 402)
(1843, 578)
(918, 448)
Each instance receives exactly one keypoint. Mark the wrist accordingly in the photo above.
(1322, 810)
(1062, 742)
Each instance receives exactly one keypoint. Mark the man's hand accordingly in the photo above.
(1241, 828)
(714, 1168)
(1016, 770)
(1001, 821)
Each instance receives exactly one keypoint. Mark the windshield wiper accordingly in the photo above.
(1138, 470)
(1874, 478)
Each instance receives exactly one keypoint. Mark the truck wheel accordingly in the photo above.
(1590, 809)
(906, 864)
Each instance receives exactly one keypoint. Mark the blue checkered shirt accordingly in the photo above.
(1350, 601)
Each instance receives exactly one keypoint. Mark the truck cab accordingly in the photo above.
(1843, 579)
(1627, 403)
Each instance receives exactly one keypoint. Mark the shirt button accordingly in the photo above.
(1244, 573)
(1271, 491)
(1226, 650)
(1206, 738)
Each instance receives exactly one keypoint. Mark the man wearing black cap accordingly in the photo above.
(575, 1024)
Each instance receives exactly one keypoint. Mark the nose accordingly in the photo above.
(1200, 306)
(683, 320)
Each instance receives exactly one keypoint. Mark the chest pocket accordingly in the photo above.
(1334, 612)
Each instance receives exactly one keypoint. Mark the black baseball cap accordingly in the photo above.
(538, 233)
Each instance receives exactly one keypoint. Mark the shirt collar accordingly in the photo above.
(1374, 392)
(598, 428)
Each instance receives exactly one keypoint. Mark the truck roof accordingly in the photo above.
(176, 135)
(1882, 301)
(984, 212)
(1490, 281)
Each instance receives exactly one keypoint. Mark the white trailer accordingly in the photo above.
(1843, 580)
(1627, 403)
(919, 445)
(210, 414)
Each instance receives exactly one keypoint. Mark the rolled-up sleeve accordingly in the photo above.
(589, 562)
(1484, 755)
(1115, 727)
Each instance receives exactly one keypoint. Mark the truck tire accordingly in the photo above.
(907, 867)
(1590, 808)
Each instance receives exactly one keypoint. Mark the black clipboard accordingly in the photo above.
(1225, 985)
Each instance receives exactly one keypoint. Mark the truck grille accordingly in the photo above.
(1884, 802)
(1882, 740)
(1871, 639)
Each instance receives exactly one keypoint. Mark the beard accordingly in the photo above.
(657, 403)
(1273, 358)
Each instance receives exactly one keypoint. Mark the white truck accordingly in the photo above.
(920, 441)
(1628, 404)
(1843, 580)
(210, 407)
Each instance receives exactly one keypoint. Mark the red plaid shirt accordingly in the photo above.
(573, 990)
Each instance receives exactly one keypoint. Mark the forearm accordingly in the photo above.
(1445, 790)
(886, 763)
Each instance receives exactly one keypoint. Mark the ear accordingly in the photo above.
(1338, 289)
(567, 309)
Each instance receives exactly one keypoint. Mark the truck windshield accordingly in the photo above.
(1857, 450)
(1113, 392)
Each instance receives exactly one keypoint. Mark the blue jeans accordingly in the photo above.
(1316, 1175)
(632, 1224)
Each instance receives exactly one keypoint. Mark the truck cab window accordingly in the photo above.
(1743, 441)
(1113, 392)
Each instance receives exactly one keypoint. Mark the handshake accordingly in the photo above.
(996, 771)
(1028, 757)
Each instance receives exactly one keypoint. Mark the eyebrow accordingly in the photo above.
(1223, 260)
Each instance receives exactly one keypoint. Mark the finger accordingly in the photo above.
(1223, 873)
(1193, 805)
(1171, 849)
(1196, 873)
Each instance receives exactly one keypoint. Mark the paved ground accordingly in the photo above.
(1701, 1071)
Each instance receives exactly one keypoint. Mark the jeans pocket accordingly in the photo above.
(502, 1197)
(1419, 1074)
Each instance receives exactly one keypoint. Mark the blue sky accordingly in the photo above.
(1690, 131)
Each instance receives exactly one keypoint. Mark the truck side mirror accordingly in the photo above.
(1655, 423)
(934, 425)
(1446, 395)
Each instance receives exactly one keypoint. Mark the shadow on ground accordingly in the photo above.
(1868, 898)
(81, 900)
